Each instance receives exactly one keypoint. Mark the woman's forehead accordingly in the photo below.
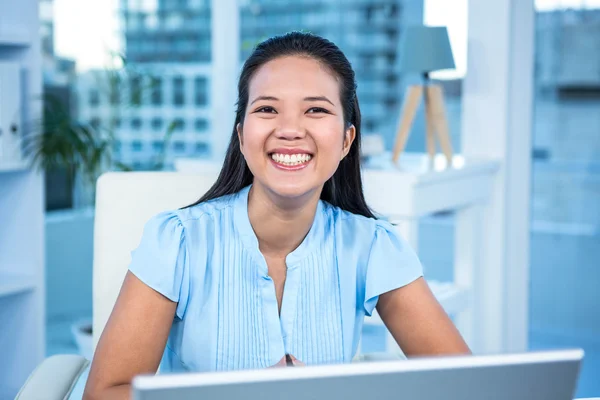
(294, 76)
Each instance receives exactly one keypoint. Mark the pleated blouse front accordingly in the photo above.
(206, 258)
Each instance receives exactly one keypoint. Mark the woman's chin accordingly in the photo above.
(293, 190)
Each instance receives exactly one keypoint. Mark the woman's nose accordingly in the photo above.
(289, 134)
(290, 129)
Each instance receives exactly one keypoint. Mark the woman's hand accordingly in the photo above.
(283, 362)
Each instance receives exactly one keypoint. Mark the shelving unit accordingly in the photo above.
(22, 292)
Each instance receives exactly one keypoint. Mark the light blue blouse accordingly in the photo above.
(206, 258)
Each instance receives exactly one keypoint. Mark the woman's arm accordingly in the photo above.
(418, 322)
(132, 342)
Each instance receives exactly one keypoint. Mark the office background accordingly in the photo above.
(144, 78)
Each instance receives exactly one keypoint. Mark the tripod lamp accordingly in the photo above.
(425, 49)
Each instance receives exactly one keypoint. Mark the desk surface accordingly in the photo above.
(414, 188)
(416, 167)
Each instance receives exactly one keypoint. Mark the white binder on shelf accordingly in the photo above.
(10, 114)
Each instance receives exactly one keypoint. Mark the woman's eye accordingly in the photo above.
(315, 110)
(268, 110)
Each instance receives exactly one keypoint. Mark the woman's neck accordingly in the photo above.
(280, 224)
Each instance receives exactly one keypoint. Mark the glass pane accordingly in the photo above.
(178, 91)
(201, 90)
(157, 92)
(565, 234)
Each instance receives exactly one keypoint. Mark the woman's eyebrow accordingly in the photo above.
(264, 98)
(311, 98)
(318, 98)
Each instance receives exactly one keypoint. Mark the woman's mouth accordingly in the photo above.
(291, 161)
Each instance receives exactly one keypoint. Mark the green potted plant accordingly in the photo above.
(60, 142)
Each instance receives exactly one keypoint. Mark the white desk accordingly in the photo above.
(414, 188)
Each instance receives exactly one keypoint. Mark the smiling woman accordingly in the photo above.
(279, 262)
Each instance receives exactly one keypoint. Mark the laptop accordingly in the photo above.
(548, 375)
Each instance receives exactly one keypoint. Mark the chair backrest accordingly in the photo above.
(124, 203)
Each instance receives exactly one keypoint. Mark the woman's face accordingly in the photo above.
(293, 137)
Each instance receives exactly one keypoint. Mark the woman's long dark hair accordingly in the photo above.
(344, 188)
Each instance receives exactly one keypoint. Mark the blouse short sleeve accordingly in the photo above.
(392, 264)
(160, 260)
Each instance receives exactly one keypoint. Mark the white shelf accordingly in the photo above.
(16, 39)
(450, 296)
(13, 167)
(415, 188)
(11, 284)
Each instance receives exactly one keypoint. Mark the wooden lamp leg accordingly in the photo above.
(429, 126)
(409, 110)
(440, 121)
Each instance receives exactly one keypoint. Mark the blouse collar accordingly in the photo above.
(244, 228)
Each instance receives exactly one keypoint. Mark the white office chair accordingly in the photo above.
(125, 201)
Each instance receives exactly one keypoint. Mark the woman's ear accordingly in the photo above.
(349, 136)
(238, 128)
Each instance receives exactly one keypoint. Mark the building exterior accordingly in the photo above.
(162, 87)
(566, 140)
(564, 38)
(145, 106)
(166, 31)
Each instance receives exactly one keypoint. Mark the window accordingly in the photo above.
(178, 125)
(157, 124)
(565, 186)
(201, 90)
(178, 91)
(136, 145)
(115, 90)
(179, 146)
(201, 149)
(116, 123)
(201, 125)
(117, 147)
(158, 146)
(136, 123)
(157, 92)
(136, 91)
(174, 21)
(94, 97)
(95, 123)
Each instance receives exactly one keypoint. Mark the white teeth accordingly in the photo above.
(294, 159)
